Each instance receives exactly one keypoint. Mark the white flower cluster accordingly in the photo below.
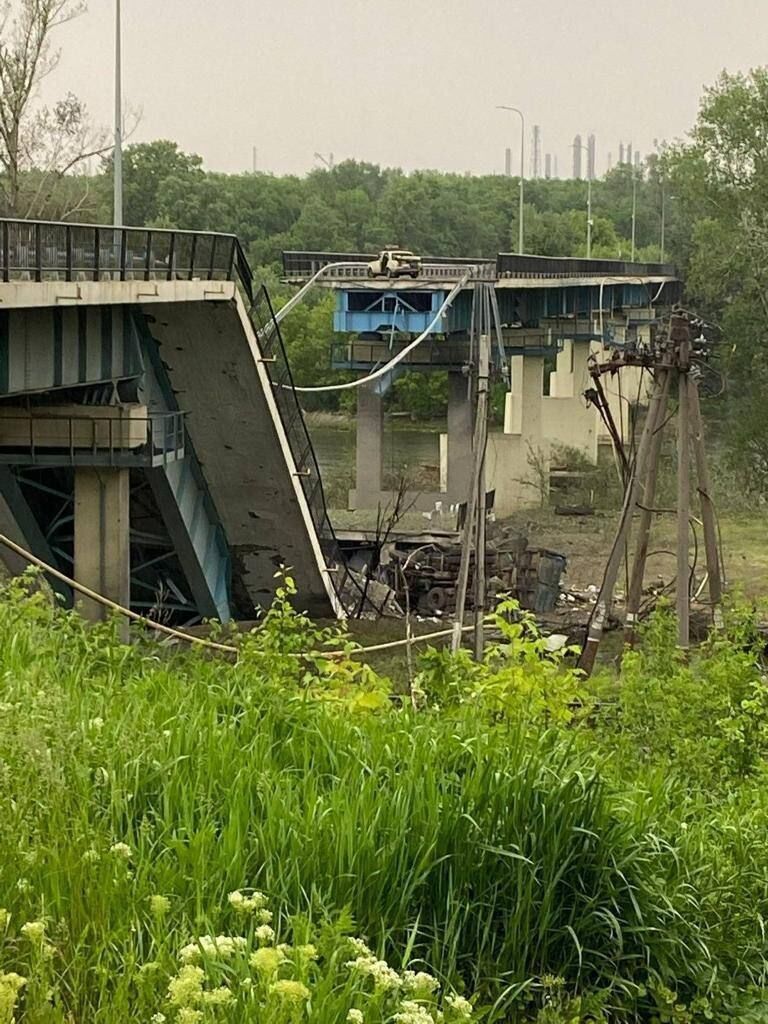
(354, 1016)
(420, 983)
(461, 1007)
(255, 904)
(121, 850)
(385, 979)
(220, 947)
(413, 1013)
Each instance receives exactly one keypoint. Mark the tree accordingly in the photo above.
(49, 141)
(146, 166)
(720, 175)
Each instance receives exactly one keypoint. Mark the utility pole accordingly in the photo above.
(668, 361)
(520, 230)
(117, 157)
(680, 334)
(473, 533)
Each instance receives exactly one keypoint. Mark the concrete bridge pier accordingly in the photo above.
(458, 440)
(102, 539)
(518, 459)
(567, 420)
(368, 448)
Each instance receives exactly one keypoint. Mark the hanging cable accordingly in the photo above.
(395, 359)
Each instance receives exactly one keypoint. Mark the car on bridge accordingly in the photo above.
(395, 263)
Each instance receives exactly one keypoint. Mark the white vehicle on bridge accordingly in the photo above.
(395, 263)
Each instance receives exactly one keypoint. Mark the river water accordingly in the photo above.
(408, 449)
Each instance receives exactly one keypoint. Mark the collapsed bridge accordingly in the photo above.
(148, 447)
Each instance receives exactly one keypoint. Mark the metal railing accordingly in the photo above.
(56, 251)
(41, 439)
(302, 449)
(516, 265)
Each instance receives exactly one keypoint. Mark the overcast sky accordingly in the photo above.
(412, 83)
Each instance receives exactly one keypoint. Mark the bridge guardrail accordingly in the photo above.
(299, 440)
(56, 251)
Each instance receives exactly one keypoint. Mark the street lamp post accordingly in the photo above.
(634, 212)
(662, 238)
(117, 158)
(520, 231)
(589, 200)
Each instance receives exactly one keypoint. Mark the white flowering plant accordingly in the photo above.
(335, 978)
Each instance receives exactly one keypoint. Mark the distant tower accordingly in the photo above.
(508, 162)
(548, 165)
(577, 156)
(629, 153)
(637, 159)
(591, 154)
(621, 152)
(536, 151)
(610, 161)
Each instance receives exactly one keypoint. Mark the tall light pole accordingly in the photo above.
(634, 212)
(662, 239)
(520, 230)
(117, 158)
(589, 200)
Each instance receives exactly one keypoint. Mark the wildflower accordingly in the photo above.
(186, 989)
(461, 1007)
(420, 983)
(306, 953)
(10, 986)
(187, 1015)
(23, 884)
(359, 947)
(33, 930)
(266, 960)
(91, 856)
(222, 947)
(355, 1016)
(249, 904)
(218, 996)
(263, 916)
(290, 991)
(159, 905)
(265, 935)
(412, 1013)
(96, 723)
(121, 850)
(157, 1018)
(384, 978)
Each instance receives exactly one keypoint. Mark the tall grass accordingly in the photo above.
(493, 853)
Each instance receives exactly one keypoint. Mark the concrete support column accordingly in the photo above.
(459, 441)
(561, 381)
(368, 453)
(102, 538)
(522, 413)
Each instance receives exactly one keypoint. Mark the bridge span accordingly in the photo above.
(149, 447)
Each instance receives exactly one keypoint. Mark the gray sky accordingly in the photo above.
(411, 83)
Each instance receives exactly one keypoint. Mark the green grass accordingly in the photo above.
(492, 849)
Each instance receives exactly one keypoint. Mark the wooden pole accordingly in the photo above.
(646, 499)
(707, 505)
(482, 416)
(469, 531)
(605, 596)
(683, 491)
